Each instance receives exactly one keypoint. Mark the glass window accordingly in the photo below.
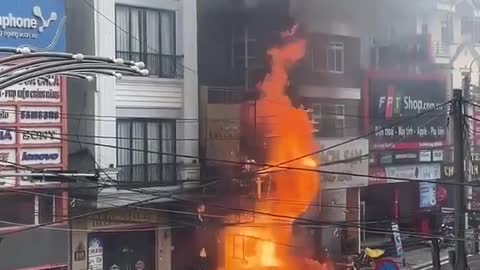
(16, 208)
(243, 48)
(146, 150)
(148, 35)
(329, 59)
(329, 119)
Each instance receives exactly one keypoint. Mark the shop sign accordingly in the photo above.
(355, 152)
(475, 201)
(36, 90)
(425, 156)
(437, 155)
(406, 157)
(416, 172)
(95, 254)
(223, 129)
(476, 126)
(37, 156)
(386, 158)
(448, 170)
(476, 155)
(377, 172)
(7, 137)
(40, 135)
(7, 115)
(428, 195)
(125, 216)
(392, 100)
(39, 25)
(42, 115)
(79, 254)
(7, 155)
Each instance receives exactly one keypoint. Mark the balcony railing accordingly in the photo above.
(221, 95)
(441, 49)
(147, 174)
(159, 65)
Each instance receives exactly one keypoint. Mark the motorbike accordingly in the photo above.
(367, 258)
(447, 236)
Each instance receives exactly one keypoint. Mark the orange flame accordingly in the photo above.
(289, 135)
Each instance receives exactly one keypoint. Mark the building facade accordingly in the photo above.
(31, 129)
(139, 134)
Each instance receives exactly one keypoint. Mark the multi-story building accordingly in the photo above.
(329, 82)
(139, 133)
(233, 39)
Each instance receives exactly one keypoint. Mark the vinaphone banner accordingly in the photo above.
(37, 24)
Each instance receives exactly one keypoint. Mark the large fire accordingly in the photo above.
(289, 134)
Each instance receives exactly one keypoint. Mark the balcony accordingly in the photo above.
(441, 49)
(402, 53)
(221, 95)
(156, 174)
(159, 65)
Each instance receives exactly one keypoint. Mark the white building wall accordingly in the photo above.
(148, 97)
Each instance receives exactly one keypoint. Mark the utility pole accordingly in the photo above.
(460, 207)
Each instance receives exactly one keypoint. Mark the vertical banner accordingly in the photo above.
(428, 193)
(398, 239)
(95, 254)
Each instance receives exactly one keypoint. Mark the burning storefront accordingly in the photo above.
(283, 135)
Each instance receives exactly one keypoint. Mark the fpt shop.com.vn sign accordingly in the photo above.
(38, 24)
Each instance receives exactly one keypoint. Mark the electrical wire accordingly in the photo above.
(216, 181)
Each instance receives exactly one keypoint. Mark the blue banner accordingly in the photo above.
(37, 24)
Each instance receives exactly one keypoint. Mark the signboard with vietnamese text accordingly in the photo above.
(36, 90)
(415, 172)
(356, 151)
(394, 99)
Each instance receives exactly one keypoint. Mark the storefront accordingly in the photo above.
(122, 239)
(410, 143)
(340, 193)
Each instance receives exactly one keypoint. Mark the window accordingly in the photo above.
(26, 209)
(329, 119)
(329, 59)
(467, 26)
(471, 27)
(447, 30)
(243, 48)
(148, 35)
(146, 151)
